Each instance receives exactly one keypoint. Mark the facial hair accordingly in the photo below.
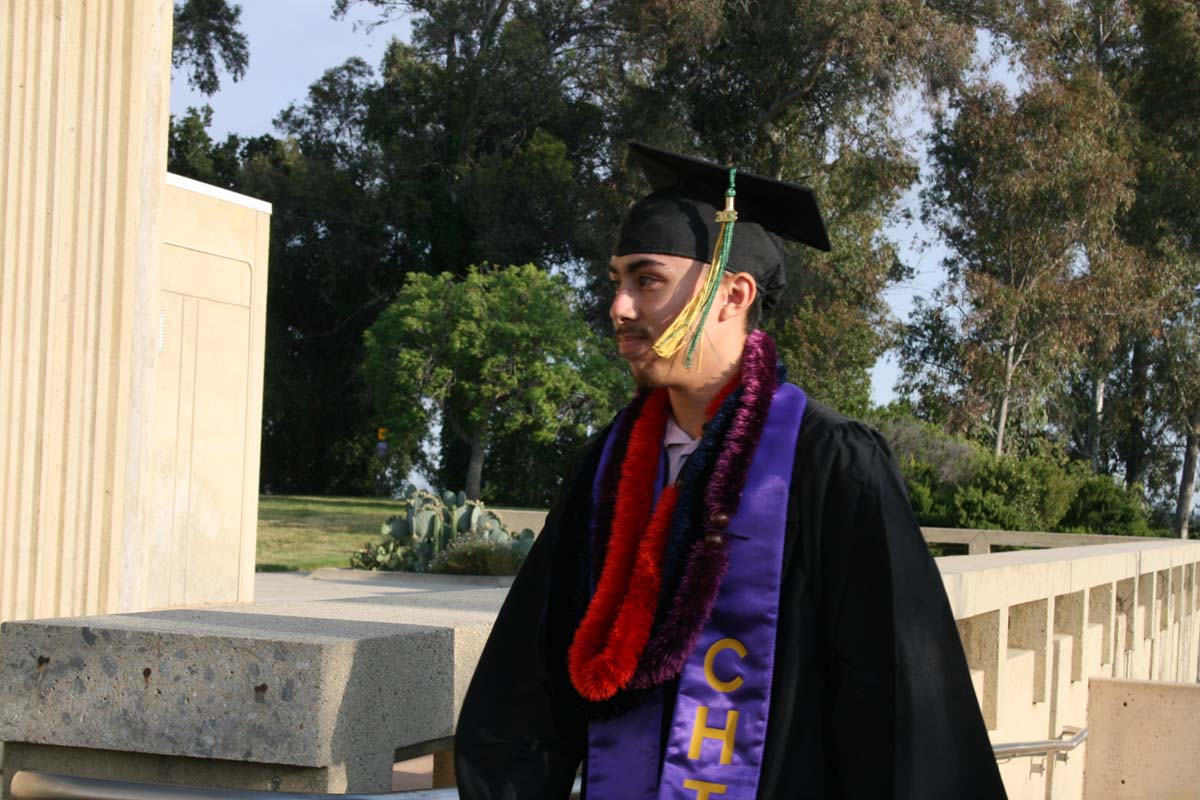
(643, 371)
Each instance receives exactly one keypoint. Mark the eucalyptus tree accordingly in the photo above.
(1166, 90)
(205, 32)
(808, 90)
(1026, 193)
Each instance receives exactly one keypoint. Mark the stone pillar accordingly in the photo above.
(84, 89)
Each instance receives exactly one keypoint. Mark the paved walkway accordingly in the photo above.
(339, 584)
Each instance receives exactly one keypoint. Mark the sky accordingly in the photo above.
(292, 42)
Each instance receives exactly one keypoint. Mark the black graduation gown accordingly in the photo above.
(871, 696)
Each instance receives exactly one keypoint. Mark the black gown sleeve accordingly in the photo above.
(512, 740)
(902, 714)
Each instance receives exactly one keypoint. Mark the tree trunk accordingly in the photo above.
(475, 469)
(1002, 417)
(1135, 442)
(1187, 481)
(1001, 421)
(474, 438)
(1094, 423)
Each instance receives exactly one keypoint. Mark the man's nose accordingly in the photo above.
(623, 308)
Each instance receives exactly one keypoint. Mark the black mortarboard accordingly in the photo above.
(679, 216)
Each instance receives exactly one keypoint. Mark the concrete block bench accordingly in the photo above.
(301, 697)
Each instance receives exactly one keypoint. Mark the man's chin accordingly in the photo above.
(645, 375)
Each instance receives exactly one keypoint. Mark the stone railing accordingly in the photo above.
(981, 542)
(977, 542)
(322, 696)
(1037, 624)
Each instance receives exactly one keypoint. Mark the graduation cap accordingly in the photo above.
(683, 216)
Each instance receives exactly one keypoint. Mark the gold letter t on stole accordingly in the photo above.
(703, 788)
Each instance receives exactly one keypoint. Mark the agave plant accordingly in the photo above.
(431, 523)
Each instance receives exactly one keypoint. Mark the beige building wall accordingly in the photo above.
(83, 133)
(211, 327)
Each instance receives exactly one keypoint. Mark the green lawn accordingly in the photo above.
(309, 532)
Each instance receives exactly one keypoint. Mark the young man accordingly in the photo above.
(731, 597)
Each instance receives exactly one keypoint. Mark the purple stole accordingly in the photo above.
(720, 720)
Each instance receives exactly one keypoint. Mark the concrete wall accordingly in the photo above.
(1144, 740)
(1036, 625)
(83, 134)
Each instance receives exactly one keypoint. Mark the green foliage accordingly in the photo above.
(1020, 494)
(949, 459)
(935, 464)
(956, 483)
(495, 136)
(498, 353)
(191, 152)
(445, 532)
(1101, 505)
(388, 556)
(476, 555)
(204, 31)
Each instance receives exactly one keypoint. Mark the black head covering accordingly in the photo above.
(679, 217)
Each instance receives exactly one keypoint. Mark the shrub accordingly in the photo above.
(476, 556)
(913, 441)
(1020, 494)
(931, 499)
(1103, 506)
(955, 483)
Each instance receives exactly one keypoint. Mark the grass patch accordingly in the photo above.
(302, 533)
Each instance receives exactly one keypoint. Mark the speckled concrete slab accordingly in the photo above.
(311, 684)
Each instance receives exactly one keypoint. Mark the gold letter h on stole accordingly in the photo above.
(700, 729)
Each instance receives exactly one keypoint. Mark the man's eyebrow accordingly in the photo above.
(636, 265)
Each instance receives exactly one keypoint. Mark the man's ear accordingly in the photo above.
(740, 293)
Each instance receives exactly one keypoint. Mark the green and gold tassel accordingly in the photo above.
(688, 326)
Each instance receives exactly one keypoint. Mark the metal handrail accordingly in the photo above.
(31, 785)
(1044, 747)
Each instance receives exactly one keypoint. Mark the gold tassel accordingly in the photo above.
(689, 324)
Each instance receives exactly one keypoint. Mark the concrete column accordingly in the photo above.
(84, 89)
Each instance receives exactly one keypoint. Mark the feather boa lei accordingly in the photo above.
(661, 564)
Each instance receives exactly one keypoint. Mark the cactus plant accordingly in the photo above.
(435, 523)
(489, 527)
(522, 544)
(398, 528)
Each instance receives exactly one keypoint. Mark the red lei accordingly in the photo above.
(616, 627)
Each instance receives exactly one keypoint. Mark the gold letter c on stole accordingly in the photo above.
(711, 656)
